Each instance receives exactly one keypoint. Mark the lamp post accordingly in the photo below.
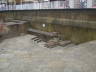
(15, 4)
(8, 4)
(21, 4)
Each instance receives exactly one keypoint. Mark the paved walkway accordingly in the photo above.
(21, 54)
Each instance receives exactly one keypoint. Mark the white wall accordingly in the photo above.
(71, 3)
(89, 4)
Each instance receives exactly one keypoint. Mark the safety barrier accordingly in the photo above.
(47, 5)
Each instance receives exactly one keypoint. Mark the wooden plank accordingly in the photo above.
(42, 32)
(15, 22)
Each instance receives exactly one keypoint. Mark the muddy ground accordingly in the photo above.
(21, 54)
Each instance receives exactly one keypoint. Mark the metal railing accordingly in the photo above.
(46, 5)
